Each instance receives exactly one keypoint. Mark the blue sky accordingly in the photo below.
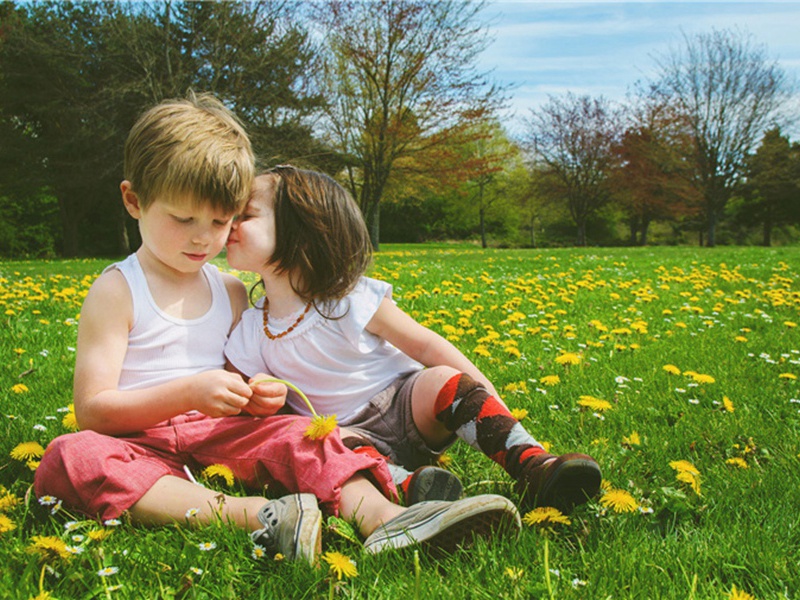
(603, 48)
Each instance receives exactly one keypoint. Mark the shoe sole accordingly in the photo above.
(484, 517)
(433, 483)
(572, 483)
(308, 531)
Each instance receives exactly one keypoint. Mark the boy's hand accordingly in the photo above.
(220, 393)
(268, 397)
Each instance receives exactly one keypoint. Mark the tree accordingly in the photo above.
(571, 141)
(729, 93)
(772, 190)
(651, 181)
(402, 87)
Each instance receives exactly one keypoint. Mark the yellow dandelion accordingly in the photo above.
(545, 515)
(27, 450)
(700, 378)
(595, 404)
(340, 565)
(98, 535)
(740, 339)
(684, 466)
(320, 426)
(619, 501)
(519, 413)
(514, 573)
(568, 358)
(48, 547)
(632, 440)
(444, 460)
(790, 324)
(740, 595)
(7, 501)
(790, 376)
(6, 524)
(70, 421)
(727, 404)
(690, 478)
(551, 380)
(672, 369)
(737, 462)
(220, 472)
(19, 388)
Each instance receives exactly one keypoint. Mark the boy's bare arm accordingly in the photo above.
(102, 343)
(420, 343)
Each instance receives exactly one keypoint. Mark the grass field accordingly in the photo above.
(677, 368)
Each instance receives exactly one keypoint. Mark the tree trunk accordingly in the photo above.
(581, 232)
(483, 227)
(767, 239)
(712, 229)
(374, 226)
(643, 232)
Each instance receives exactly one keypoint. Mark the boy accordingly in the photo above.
(151, 395)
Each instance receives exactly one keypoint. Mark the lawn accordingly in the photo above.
(676, 368)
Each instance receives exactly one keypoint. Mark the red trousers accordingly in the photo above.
(102, 476)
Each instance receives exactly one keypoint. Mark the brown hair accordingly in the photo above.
(193, 147)
(320, 234)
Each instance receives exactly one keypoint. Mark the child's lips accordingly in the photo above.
(197, 257)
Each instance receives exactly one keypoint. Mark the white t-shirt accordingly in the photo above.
(335, 362)
(162, 347)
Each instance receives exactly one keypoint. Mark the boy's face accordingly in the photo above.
(251, 243)
(182, 234)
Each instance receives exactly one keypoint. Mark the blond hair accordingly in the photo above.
(193, 147)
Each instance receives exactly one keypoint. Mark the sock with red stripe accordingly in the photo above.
(467, 409)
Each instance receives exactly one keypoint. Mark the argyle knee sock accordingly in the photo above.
(467, 409)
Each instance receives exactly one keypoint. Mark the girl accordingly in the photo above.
(339, 336)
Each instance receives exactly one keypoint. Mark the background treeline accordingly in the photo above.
(386, 96)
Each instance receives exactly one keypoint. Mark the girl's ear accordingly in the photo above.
(130, 199)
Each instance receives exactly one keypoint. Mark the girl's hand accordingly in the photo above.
(268, 396)
(220, 393)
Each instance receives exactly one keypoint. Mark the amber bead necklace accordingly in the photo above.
(265, 313)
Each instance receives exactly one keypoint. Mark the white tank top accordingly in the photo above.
(161, 347)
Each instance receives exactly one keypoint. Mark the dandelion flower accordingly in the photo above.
(320, 427)
(519, 413)
(595, 404)
(545, 515)
(790, 324)
(514, 573)
(340, 565)
(684, 466)
(27, 450)
(444, 460)
(619, 501)
(700, 378)
(207, 546)
(108, 571)
(632, 440)
(219, 471)
(727, 404)
(690, 478)
(672, 369)
(98, 535)
(740, 595)
(737, 461)
(551, 380)
(790, 376)
(19, 388)
(568, 358)
(70, 421)
(6, 524)
(8, 500)
(48, 547)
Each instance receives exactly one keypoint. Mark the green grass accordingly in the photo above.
(727, 313)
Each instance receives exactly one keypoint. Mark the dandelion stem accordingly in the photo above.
(416, 575)
(292, 387)
(547, 568)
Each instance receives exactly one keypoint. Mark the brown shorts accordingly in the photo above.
(387, 422)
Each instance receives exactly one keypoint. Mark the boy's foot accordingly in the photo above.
(292, 527)
(432, 483)
(444, 526)
(562, 482)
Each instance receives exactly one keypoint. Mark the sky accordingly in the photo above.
(603, 48)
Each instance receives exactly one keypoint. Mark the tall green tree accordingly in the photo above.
(772, 190)
(403, 85)
(729, 92)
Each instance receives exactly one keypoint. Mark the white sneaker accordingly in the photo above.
(444, 526)
(292, 526)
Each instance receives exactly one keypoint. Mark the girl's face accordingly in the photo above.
(251, 242)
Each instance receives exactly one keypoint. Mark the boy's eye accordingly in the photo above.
(182, 219)
(221, 222)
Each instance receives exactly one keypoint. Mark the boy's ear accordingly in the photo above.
(130, 199)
